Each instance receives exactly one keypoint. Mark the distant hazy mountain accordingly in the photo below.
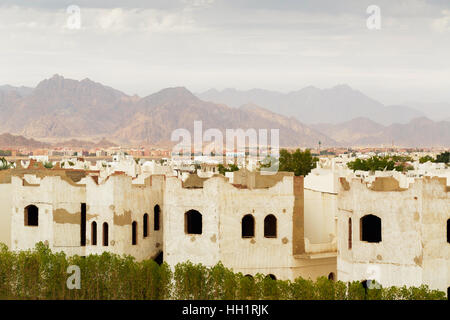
(420, 132)
(16, 141)
(349, 132)
(22, 91)
(9, 140)
(66, 108)
(434, 111)
(79, 111)
(312, 105)
(157, 115)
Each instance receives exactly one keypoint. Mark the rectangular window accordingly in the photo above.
(83, 225)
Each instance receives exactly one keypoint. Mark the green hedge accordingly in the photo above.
(41, 274)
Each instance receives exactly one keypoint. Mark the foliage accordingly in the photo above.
(398, 163)
(42, 274)
(299, 162)
(443, 157)
(230, 168)
(4, 164)
(48, 164)
(426, 159)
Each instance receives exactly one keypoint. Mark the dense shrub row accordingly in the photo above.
(41, 274)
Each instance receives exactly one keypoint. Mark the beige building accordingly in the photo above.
(382, 228)
(255, 224)
(394, 235)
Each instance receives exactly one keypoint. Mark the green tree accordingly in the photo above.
(443, 157)
(426, 159)
(230, 168)
(376, 163)
(48, 164)
(299, 162)
(4, 164)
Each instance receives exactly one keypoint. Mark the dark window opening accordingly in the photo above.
(156, 211)
(83, 225)
(365, 286)
(448, 230)
(31, 216)
(159, 258)
(105, 234)
(134, 233)
(272, 276)
(371, 228)
(94, 233)
(248, 226)
(270, 226)
(350, 233)
(193, 222)
(331, 276)
(145, 225)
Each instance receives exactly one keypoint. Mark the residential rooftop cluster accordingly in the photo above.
(390, 226)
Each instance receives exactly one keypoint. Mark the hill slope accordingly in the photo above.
(312, 105)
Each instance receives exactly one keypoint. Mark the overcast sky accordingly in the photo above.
(282, 45)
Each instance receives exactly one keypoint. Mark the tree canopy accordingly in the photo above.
(299, 162)
(398, 163)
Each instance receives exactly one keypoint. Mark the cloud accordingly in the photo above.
(283, 45)
(442, 24)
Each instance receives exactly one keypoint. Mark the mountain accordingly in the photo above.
(159, 114)
(349, 132)
(419, 132)
(11, 141)
(79, 112)
(65, 108)
(434, 111)
(14, 141)
(312, 105)
(21, 91)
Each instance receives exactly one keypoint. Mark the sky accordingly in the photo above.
(143, 46)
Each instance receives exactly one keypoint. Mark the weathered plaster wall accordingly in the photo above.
(223, 206)
(5, 213)
(414, 248)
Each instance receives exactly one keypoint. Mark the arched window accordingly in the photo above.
(145, 225)
(31, 216)
(193, 222)
(94, 233)
(105, 234)
(134, 233)
(371, 228)
(331, 276)
(270, 226)
(350, 233)
(248, 226)
(156, 217)
(448, 230)
(272, 276)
